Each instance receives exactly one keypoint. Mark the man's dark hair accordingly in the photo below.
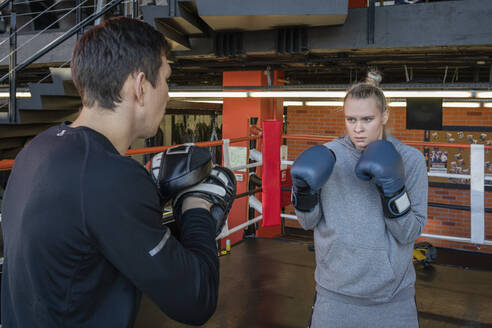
(106, 55)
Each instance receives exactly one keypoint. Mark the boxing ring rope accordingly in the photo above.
(6, 164)
(150, 150)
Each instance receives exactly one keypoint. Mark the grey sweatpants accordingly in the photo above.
(330, 313)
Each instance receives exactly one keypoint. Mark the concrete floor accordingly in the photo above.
(269, 283)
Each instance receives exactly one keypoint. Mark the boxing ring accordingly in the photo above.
(477, 179)
(270, 161)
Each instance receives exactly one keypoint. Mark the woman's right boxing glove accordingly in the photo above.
(310, 172)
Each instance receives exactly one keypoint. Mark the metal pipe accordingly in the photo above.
(135, 9)
(99, 6)
(341, 87)
(451, 238)
(330, 60)
(78, 17)
(5, 3)
(12, 64)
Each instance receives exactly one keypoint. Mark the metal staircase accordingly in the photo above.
(54, 98)
(50, 102)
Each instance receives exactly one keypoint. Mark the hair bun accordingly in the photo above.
(374, 78)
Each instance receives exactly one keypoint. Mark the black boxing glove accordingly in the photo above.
(179, 168)
(219, 189)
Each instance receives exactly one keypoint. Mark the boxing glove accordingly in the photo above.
(179, 168)
(219, 189)
(381, 163)
(310, 172)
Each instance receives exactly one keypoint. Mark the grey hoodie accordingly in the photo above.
(363, 257)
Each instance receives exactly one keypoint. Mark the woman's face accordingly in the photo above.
(364, 121)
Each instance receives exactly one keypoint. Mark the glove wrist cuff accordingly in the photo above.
(304, 201)
(396, 205)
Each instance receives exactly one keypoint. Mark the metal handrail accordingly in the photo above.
(33, 1)
(49, 74)
(42, 31)
(55, 10)
(50, 11)
(26, 24)
(4, 4)
(63, 37)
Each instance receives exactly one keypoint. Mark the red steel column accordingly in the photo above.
(272, 132)
(236, 114)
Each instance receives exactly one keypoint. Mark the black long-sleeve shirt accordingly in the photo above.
(83, 238)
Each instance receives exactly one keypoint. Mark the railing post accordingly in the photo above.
(12, 66)
(78, 17)
(99, 5)
(135, 9)
(477, 217)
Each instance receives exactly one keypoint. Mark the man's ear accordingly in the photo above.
(139, 88)
(385, 116)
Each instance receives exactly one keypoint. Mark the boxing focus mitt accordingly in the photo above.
(179, 168)
(219, 189)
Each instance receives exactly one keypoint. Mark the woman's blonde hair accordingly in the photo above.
(369, 88)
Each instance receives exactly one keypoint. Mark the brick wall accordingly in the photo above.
(329, 121)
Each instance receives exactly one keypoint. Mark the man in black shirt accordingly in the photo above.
(82, 222)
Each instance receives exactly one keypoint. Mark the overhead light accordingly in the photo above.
(324, 103)
(488, 105)
(204, 94)
(207, 101)
(325, 94)
(444, 104)
(461, 104)
(484, 94)
(428, 94)
(297, 94)
(398, 104)
(292, 103)
(18, 94)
